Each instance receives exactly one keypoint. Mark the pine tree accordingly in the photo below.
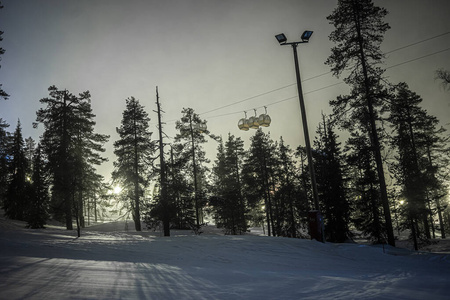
(228, 202)
(134, 151)
(258, 175)
(367, 214)
(330, 184)
(359, 32)
(287, 193)
(179, 189)
(57, 118)
(16, 201)
(414, 136)
(191, 136)
(87, 147)
(71, 147)
(436, 173)
(37, 211)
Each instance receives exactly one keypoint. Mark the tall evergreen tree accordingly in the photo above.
(367, 214)
(436, 174)
(37, 211)
(330, 184)
(258, 175)
(286, 194)
(359, 32)
(57, 118)
(414, 136)
(69, 143)
(134, 151)
(191, 136)
(228, 202)
(179, 188)
(87, 149)
(16, 201)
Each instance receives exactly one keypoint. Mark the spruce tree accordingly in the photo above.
(286, 194)
(190, 137)
(58, 118)
(16, 201)
(37, 211)
(367, 214)
(71, 147)
(134, 151)
(330, 184)
(87, 149)
(414, 138)
(228, 202)
(359, 32)
(179, 188)
(258, 175)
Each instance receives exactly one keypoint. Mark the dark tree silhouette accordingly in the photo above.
(359, 32)
(228, 203)
(330, 183)
(71, 147)
(37, 211)
(414, 136)
(134, 151)
(190, 138)
(16, 201)
(258, 176)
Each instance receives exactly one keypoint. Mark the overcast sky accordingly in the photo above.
(204, 54)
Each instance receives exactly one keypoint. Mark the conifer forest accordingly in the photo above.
(380, 160)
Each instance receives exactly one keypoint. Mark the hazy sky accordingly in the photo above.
(205, 55)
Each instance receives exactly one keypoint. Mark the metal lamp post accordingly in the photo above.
(304, 39)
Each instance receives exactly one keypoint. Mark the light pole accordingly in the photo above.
(304, 39)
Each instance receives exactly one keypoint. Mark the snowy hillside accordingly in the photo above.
(104, 264)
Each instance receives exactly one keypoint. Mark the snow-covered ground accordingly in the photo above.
(108, 262)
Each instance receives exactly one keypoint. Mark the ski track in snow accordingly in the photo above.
(102, 264)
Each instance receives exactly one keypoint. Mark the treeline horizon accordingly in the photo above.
(390, 136)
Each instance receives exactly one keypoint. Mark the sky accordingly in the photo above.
(218, 57)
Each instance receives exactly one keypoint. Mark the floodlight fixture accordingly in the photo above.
(306, 36)
(281, 38)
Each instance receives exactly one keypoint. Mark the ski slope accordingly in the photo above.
(108, 262)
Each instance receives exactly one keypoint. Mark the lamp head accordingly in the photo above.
(306, 35)
(281, 38)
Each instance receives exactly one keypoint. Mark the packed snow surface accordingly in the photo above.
(108, 262)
